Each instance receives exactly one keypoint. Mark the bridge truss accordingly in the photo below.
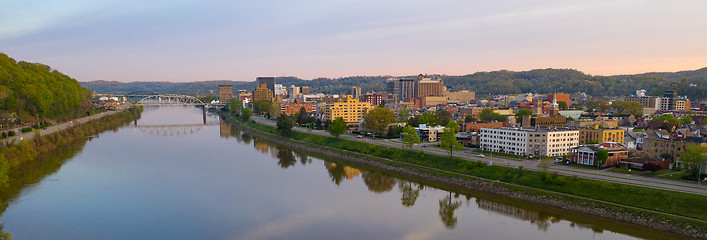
(170, 99)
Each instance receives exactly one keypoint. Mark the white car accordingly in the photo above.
(480, 155)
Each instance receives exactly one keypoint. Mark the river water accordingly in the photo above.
(169, 176)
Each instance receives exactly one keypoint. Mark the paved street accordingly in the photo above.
(58, 127)
(654, 182)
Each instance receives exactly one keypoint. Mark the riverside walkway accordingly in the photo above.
(652, 182)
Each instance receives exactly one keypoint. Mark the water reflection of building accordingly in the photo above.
(261, 146)
(543, 222)
(349, 172)
(225, 130)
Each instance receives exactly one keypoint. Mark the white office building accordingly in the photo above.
(529, 141)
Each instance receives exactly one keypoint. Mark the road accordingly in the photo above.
(653, 182)
(58, 127)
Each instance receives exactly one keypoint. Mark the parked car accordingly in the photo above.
(480, 155)
(359, 136)
(557, 160)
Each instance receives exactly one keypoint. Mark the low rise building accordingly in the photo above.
(586, 155)
(600, 135)
(429, 134)
(290, 108)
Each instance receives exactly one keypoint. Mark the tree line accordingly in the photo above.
(31, 92)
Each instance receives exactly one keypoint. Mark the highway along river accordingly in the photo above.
(169, 175)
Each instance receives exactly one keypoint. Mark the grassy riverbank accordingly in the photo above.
(677, 203)
(15, 154)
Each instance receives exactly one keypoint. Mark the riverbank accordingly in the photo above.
(476, 176)
(15, 153)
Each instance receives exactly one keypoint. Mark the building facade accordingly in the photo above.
(349, 108)
(600, 135)
(586, 155)
(225, 93)
(504, 140)
(268, 81)
(552, 141)
(290, 108)
(262, 93)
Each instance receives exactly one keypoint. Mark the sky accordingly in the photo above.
(181, 40)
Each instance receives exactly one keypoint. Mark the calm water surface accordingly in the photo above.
(168, 176)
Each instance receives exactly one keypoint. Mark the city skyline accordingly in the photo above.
(183, 41)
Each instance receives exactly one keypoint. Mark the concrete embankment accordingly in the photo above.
(647, 218)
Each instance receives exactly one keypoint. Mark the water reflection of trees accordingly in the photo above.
(447, 208)
(286, 157)
(378, 183)
(338, 172)
(410, 193)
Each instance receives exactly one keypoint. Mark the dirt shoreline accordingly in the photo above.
(592, 208)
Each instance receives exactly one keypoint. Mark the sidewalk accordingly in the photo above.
(30, 135)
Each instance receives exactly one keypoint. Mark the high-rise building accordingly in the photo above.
(429, 86)
(225, 93)
(294, 91)
(268, 81)
(278, 90)
(407, 88)
(392, 86)
(262, 93)
(304, 90)
(672, 96)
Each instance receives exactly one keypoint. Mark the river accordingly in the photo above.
(169, 176)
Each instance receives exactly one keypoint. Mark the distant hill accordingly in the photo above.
(495, 82)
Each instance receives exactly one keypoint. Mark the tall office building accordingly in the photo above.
(304, 90)
(268, 81)
(355, 92)
(392, 86)
(672, 96)
(278, 90)
(225, 93)
(294, 91)
(407, 88)
(429, 86)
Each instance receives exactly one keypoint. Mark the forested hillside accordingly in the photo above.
(32, 92)
(690, 83)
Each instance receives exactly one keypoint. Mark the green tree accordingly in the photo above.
(449, 138)
(522, 112)
(410, 136)
(442, 117)
(404, 114)
(600, 158)
(284, 124)
(378, 119)
(274, 110)
(261, 106)
(562, 105)
(628, 108)
(303, 117)
(545, 163)
(235, 106)
(686, 120)
(470, 118)
(246, 113)
(489, 115)
(694, 157)
(337, 127)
